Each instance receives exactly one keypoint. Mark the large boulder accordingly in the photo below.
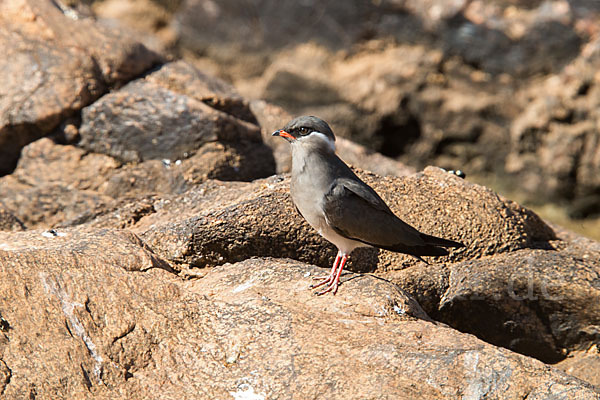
(516, 284)
(96, 314)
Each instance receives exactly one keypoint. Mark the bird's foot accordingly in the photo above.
(332, 283)
(333, 279)
(323, 280)
(332, 287)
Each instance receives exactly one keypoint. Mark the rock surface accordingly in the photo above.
(215, 336)
(537, 302)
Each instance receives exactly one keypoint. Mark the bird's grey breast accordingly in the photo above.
(310, 183)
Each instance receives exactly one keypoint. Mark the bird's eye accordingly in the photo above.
(304, 131)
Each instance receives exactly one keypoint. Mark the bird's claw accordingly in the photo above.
(329, 281)
(333, 287)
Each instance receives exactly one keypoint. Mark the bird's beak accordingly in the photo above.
(283, 134)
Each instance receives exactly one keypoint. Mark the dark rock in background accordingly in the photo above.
(448, 83)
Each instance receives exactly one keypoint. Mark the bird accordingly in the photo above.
(341, 207)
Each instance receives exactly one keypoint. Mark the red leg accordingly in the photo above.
(328, 278)
(333, 284)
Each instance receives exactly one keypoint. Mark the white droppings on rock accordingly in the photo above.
(399, 310)
(246, 285)
(246, 392)
(53, 286)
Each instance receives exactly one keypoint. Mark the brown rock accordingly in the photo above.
(583, 364)
(95, 314)
(50, 204)
(263, 222)
(44, 162)
(62, 185)
(554, 140)
(53, 324)
(543, 303)
(54, 183)
(53, 65)
(9, 222)
(171, 114)
(149, 20)
(182, 78)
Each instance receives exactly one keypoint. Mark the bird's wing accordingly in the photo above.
(353, 209)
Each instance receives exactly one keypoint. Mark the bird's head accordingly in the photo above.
(308, 131)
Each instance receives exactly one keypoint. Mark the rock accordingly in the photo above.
(220, 30)
(554, 140)
(44, 162)
(583, 364)
(136, 142)
(62, 185)
(260, 220)
(96, 314)
(536, 302)
(54, 64)
(51, 311)
(184, 79)
(545, 47)
(53, 183)
(9, 222)
(149, 20)
(50, 204)
(144, 121)
(170, 115)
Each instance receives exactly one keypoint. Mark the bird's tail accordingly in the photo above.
(436, 241)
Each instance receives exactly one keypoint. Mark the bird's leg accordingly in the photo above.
(328, 278)
(333, 284)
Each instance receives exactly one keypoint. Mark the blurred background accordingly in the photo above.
(507, 91)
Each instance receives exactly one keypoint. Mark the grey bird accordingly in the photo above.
(342, 208)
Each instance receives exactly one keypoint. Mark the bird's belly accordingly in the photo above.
(316, 218)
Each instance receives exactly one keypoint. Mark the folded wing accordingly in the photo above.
(354, 210)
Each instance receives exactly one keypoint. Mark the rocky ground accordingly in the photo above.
(149, 247)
